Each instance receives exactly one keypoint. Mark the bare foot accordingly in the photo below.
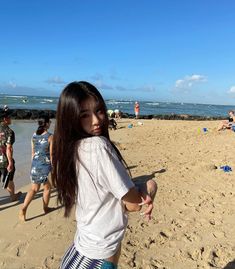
(22, 215)
(16, 196)
(48, 209)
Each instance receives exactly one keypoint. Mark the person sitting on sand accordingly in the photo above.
(112, 124)
(110, 113)
(227, 124)
(41, 166)
(7, 163)
(118, 114)
(89, 172)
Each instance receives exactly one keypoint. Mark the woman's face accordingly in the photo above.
(92, 117)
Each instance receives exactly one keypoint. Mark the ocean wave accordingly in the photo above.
(48, 100)
(112, 102)
(16, 96)
(153, 104)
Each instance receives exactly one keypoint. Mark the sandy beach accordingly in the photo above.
(194, 213)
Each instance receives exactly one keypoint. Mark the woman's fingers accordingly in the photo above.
(149, 204)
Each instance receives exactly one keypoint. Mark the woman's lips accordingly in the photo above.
(97, 130)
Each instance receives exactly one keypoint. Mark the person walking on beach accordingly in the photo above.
(89, 172)
(40, 167)
(137, 110)
(7, 163)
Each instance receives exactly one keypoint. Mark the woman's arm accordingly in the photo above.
(50, 140)
(141, 195)
(132, 200)
(32, 149)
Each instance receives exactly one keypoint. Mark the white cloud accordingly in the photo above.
(121, 88)
(232, 90)
(11, 84)
(114, 75)
(55, 80)
(101, 85)
(189, 81)
(97, 77)
(145, 88)
(13, 88)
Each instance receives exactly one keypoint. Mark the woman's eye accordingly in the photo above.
(99, 110)
(83, 116)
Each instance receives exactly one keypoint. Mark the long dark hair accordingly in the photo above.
(42, 124)
(66, 135)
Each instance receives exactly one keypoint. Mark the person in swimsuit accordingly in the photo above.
(89, 172)
(7, 163)
(41, 166)
(137, 110)
(227, 124)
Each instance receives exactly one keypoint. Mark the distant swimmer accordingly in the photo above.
(25, 100)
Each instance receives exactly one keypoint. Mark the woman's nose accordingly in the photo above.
(95, 119)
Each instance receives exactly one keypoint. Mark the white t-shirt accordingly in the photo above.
(100, 213)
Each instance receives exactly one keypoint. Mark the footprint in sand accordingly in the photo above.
(132, 260)
(50, 261)
(15, 249)
(4, 246)
(177, 223)
(191, 237)
(149, 242)
(152, 264)
(163, 237)
(132, 243)
(216, 257)
(20, 249)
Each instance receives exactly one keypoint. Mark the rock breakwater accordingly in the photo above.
(35, 114)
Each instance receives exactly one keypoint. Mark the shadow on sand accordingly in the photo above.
(145, 178)
(43, 214)
(6, 203)
(230, 265)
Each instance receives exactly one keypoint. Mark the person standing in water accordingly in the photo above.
(41, 166)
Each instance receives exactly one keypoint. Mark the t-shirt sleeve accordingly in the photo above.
(112, 174)
(10, 137)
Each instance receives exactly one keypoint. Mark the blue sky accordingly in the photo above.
(178, 50)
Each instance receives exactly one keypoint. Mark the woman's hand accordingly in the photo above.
(148, 192)
(147, 201)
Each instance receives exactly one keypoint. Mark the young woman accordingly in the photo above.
(41, 166)
(88, 171)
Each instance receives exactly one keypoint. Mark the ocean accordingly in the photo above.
(126, 106)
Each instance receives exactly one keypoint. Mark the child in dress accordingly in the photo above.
(89, 172)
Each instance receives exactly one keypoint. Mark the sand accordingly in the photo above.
(194, 214)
